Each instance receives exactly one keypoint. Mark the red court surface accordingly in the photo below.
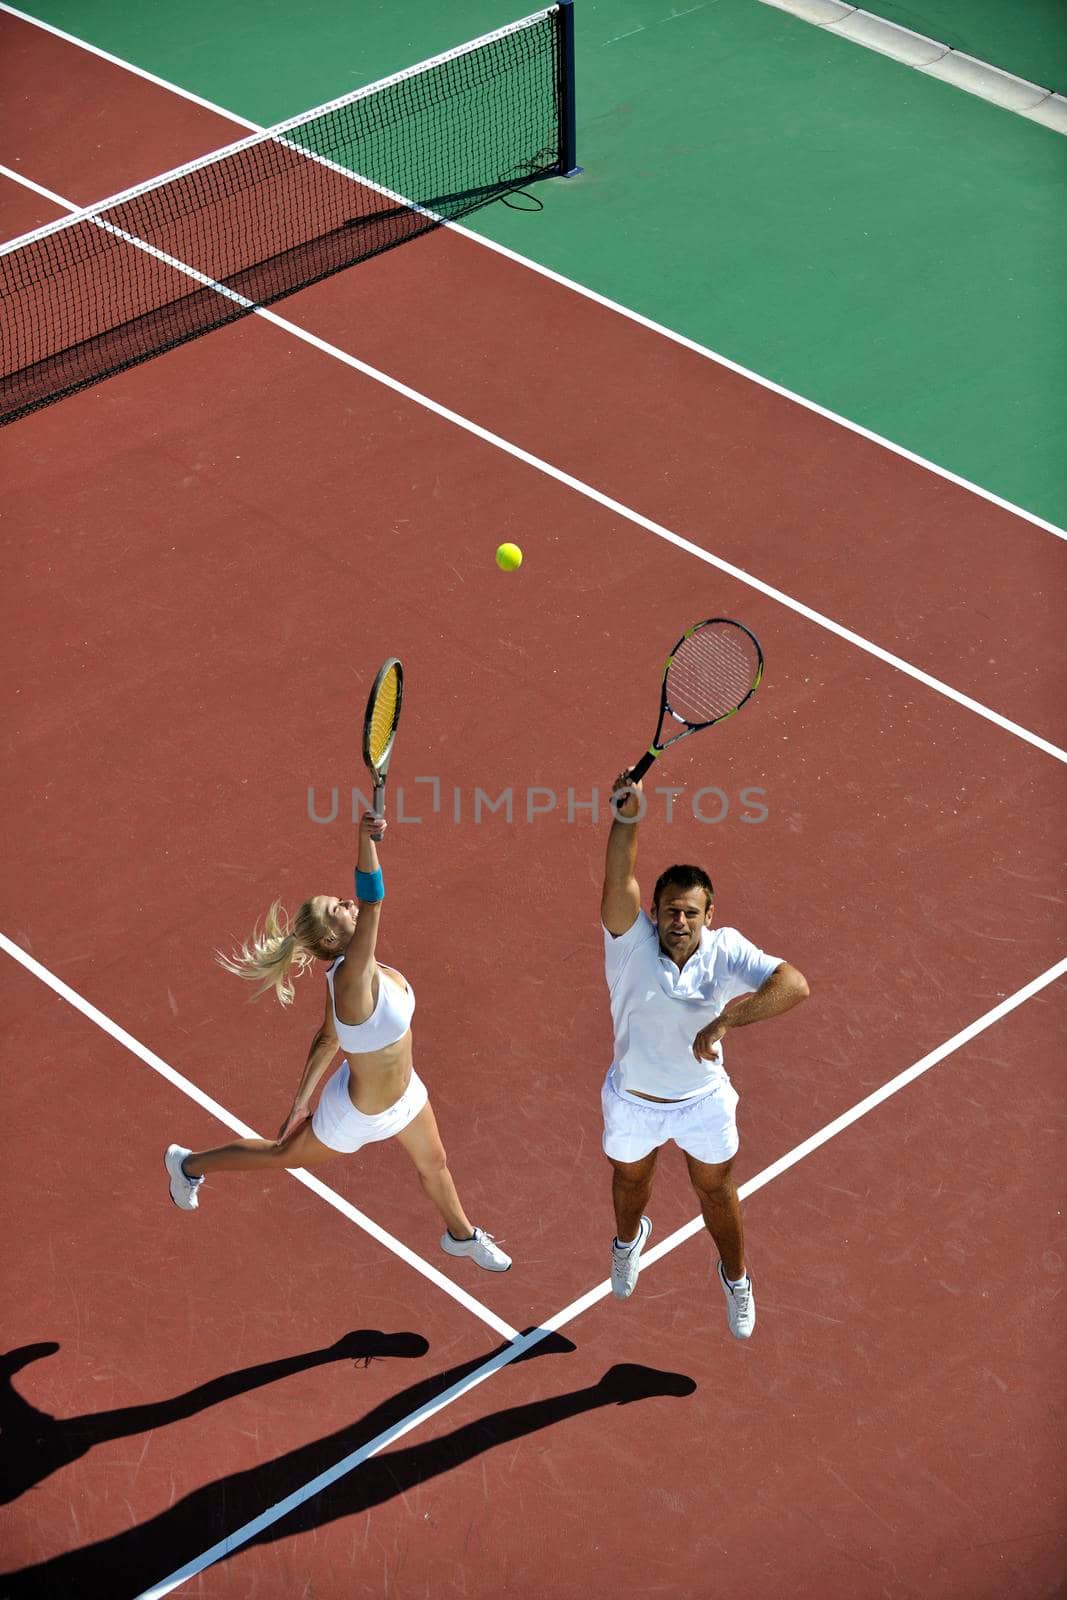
(207, 558)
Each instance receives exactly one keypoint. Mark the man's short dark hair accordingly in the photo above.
(683, 877)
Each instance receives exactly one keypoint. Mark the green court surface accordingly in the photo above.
(1027, 37)
(875, 241)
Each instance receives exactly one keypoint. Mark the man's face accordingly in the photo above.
(680, 915)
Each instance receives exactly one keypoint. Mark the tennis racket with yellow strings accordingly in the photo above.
(380, 724)
(713, 669)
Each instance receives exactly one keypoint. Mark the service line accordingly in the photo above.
(569, 481)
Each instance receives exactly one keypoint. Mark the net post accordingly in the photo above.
(567, 138)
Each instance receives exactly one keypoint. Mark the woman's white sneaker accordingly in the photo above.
(182, 1189)
(740, 1306)
(481, 1249)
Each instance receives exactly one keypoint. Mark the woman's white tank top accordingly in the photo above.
(388, 1022)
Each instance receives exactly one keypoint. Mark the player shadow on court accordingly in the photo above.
(125, 1565)
(36, 1444)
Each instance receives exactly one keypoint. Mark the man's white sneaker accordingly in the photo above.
(182, 1189)
(740, 1306)
(481, 1249)
(624, 1262)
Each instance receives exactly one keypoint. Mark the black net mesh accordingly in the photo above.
(85, 298)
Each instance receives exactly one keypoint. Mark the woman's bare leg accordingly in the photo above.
(301, 1149)
(423, 1144)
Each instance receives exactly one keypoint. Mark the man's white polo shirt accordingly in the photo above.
(657, 1011)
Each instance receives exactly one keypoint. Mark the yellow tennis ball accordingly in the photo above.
(508, 557)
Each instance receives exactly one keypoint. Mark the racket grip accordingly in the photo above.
(379, 800)
(638, 770)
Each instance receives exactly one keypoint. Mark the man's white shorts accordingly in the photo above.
(705, 1127)
(339, 1125)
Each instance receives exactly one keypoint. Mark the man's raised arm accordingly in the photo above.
(620, 901)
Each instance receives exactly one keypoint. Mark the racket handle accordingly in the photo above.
(637, 772)
(379, 799)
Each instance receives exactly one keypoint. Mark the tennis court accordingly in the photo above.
(294, 1392)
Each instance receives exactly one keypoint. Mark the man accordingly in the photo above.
(670, 977)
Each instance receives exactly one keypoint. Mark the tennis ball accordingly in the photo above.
(508, 557)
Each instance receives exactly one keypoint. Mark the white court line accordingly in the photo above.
(28, 183)
(266, 1519)
(128, 66)
(228, 1120)
(576, 288)
(933, 59)
(601, 499)
(525, 1342)
(620, 510)
(503, 1358)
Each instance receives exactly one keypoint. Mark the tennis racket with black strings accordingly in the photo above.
(380, 723)
(713, 669)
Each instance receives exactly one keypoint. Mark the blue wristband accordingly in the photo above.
(369, 886)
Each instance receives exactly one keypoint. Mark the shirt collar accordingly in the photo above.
(686, 984)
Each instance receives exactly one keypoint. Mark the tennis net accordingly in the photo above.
(196, 248)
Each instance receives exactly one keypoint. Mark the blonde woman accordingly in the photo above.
(375, 1093)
